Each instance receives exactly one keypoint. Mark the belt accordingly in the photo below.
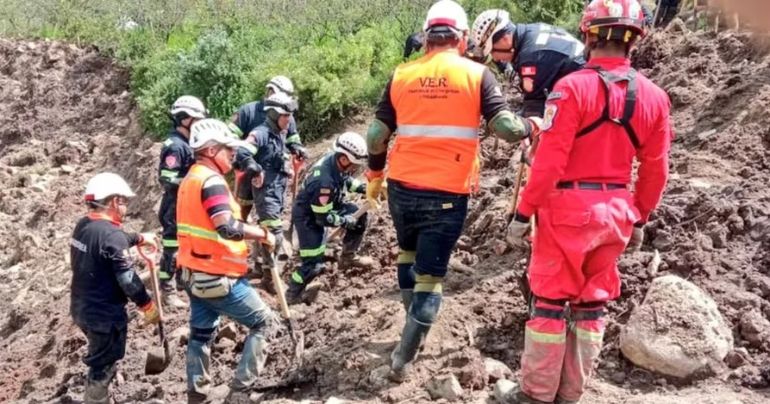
(594, 186)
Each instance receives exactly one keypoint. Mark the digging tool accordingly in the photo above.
(517, 186)
(158, 359)
(297, 166)
(297, 336)
(360, 212)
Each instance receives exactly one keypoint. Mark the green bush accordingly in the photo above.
(338, 53)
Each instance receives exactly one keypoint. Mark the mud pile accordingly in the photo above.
(66, 113)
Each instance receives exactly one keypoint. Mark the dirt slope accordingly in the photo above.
(66, 113)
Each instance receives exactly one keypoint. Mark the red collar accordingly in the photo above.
(104, 216)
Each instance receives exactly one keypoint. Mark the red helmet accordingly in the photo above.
(613, 13)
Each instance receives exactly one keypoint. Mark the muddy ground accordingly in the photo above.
(67, 112)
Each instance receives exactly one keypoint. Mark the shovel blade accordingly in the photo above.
(157, 360)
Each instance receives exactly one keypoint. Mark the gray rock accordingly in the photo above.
(446, 387)
(755, 328)
(496, 370)
(503, 387)
(677, 330)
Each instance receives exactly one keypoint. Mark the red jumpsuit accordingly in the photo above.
(578, 190)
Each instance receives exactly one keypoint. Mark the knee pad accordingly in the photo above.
(202, 335)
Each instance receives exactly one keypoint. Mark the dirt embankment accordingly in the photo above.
(66, 113)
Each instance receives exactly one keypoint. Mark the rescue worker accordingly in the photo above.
(597, 121)
(413, 44)
(176, 157)
(321, 204)
(435, 105)
(267, 169)
(253, 114)
(213, 257)
(103, 280)
(668, 10)
(540, 54)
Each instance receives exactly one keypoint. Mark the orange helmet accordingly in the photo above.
(626, 14)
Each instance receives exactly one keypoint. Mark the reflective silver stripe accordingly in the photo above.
(462, 132)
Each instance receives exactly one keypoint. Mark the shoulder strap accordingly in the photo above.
(628, 109)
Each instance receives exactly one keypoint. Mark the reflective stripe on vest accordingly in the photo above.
(201, 248)
(437, 99)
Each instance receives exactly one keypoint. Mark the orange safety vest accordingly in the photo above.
(437, 99)
(200, 246)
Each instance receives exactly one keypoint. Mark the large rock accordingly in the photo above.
(677, 330)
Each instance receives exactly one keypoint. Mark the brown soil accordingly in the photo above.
(66, 113)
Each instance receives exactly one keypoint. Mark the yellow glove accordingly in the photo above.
(374, 187)
(151, 313)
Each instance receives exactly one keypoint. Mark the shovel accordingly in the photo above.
(297, 336)
(158, 359)
(338, 232)
(297, 165)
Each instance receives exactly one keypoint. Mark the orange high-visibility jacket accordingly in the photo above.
(200, 246)
(437, 99)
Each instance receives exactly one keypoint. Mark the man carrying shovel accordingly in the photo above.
(213, 259)
(321, 204)
(103, 280)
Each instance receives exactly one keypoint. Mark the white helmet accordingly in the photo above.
(190, 105)
(352, 145)
(281, 102)
(281, 84)
(446, 13)
(485, 27)
(103, 185)
(206, 132)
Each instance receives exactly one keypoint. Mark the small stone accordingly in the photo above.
(503, 387)
(699, 184)
(229, 331)
(67, 169)
(119, 379)
(737, 358)
(618, 377)
(496, 370)
(500, 247)
(334, 400)
(446, 387)
(378, 376)
(39, 187)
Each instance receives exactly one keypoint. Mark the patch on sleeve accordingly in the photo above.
(171, 161)
(549, 115)
(556, 95)
(528, 84)
(529, 71)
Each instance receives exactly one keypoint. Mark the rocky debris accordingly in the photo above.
(502, 388)
(496, 370)
(677, 330)
(755, 328)
(737, 358)
(446, 387)
(228, 331)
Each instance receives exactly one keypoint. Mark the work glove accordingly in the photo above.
(146, 239)
(268, 240)
(151, 313)
(517, 230)
(374, 187)
(637, 238)
(537, 126)
(349, 222)
(258, 180)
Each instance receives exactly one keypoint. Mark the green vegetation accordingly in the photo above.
(339, 53)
